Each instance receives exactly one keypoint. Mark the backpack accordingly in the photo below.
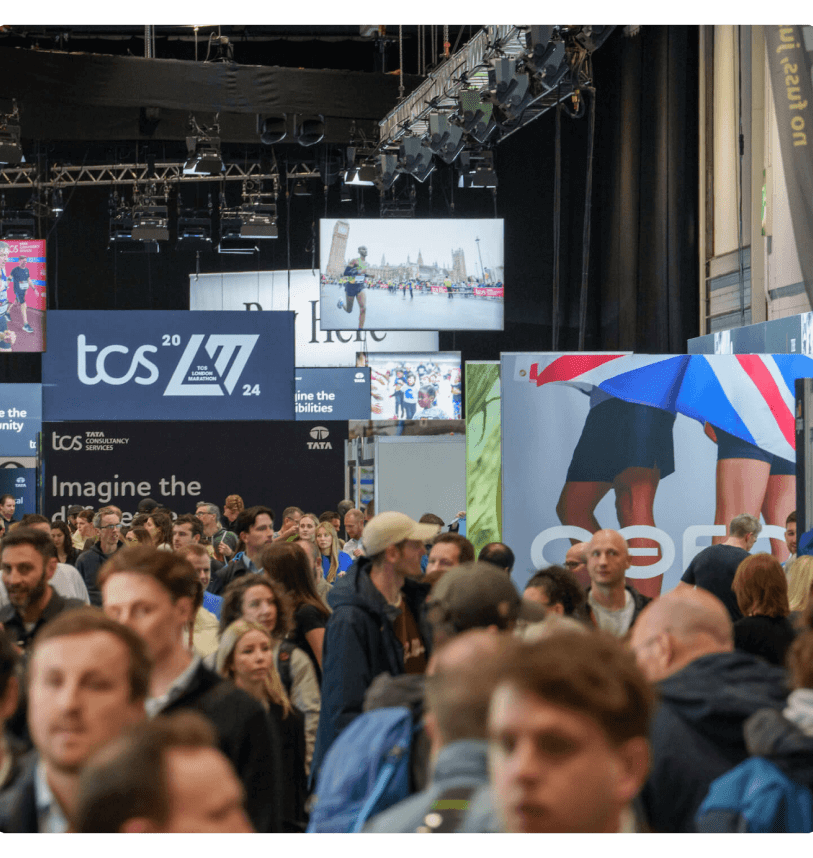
(755, 796)
(365, 771)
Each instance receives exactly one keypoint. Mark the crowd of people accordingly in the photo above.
(347, 671)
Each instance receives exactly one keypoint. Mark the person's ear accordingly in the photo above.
(633, 768)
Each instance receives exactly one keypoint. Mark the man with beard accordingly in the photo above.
(28, 561)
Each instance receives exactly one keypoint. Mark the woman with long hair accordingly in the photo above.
(800, 580)
(61, 535)
(261, 599)
(333, 560)
(137, 536)
(287, 564)
(246, 657)
(307, 527)
(762, 595)
(159, 526)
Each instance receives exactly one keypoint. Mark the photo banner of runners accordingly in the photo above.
(413, 386)
(22, 295)
(641, 444)
(411, 275)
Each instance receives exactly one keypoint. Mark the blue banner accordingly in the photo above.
(22, 484)
(168, 365)
(333, 394)
(20, 419)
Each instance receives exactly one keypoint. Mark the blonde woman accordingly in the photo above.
(800, 580)
(333, 560)
(246, 657)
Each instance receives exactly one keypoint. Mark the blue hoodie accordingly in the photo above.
(360, 643)
(697, 731)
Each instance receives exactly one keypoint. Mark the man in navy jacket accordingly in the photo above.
(378, 623)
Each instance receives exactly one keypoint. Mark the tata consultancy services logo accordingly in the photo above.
(319, 434)
(212, 368)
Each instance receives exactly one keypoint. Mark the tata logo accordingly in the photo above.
(319, 434)
(20, 481)
(359, 378)
(66, 442)
(193, 375)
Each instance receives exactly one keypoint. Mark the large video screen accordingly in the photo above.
(413, 386)
(22, 295)
(411, 275)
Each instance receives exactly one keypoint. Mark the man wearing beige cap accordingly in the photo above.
(378, 623)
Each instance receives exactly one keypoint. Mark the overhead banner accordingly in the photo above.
(665, 448)
(276, 463)
(161, 365)
(20, 419)
(789, 68)
(299, 292)
(336, 393)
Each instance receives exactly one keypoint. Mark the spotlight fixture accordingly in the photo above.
(150, 222)
(194, 228)
(301, 189)
(445, 140)
(203, 147)
(546, 55)
(476, 117)
(346, 194)
(386, 171)
(415, 158)
(477, 170)
(273, 129)
(255, 217)
(17, 224)
(508, 88)
(310, 131)
(57, 206)
(11, 151)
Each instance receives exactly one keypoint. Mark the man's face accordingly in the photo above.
(790, 536)
(424, 400)
(85, 527)
(25, 575)
(354, 525)
(202, 566)
(576, 559)
(292, 519)
(142, 604)
(8, 508)
(607, 558)
(442, 556)
(408, 562)
(552, 769)
(4, 255)
(207, 519)
(109, 527)
(79, 697)
(23, 262)
(336, 522)
(182, 535)
(260, 533)
(204, 793)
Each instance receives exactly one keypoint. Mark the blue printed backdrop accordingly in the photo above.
(168, 365)
(335, 393)
(20, 419)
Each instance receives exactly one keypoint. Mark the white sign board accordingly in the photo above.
(272, 290)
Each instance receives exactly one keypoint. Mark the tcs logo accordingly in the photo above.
(66, 442)
(138, 360)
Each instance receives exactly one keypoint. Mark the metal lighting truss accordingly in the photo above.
(124, 174)
(467, 69)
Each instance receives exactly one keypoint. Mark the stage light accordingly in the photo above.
(386, 171)
(301, 189)
(273, 129)
(11, 151)
(255, 218)
(508, 89)
(415, 158)
(445, 140)
(17, 224)
(150, 222)
(57, 206)
(546, 55)
(347, 194)
(477, 170)
(203, 146)
(476, 117)
(309, 132)
(194, 229)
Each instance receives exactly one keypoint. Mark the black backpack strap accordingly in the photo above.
(286, 648)
(447, 811)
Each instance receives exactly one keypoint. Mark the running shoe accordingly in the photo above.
(340, 305)
(28, 329)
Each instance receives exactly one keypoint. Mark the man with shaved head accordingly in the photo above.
(612, 605)
(576, 562)
(684, 643)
